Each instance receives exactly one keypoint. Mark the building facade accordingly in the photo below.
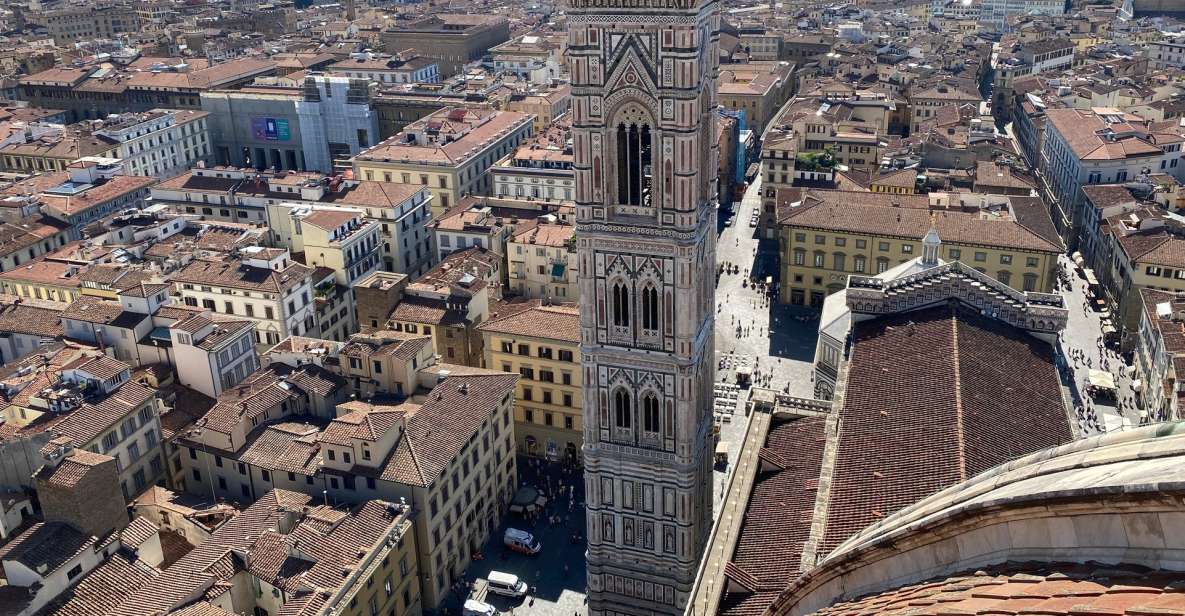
(542, 345)
(314, 127)
(644, 88)
(159, 143)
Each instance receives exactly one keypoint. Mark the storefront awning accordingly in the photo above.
(1102, 380)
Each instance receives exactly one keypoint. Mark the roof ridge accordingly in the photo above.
(958, 391)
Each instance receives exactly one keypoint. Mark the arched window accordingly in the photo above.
(650, 307)
(633, 164)
(621, 409)
(650, 414)
(621, 305)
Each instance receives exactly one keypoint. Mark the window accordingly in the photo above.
(650, 414)
(883, 246)
(1030, 261)
(621, 305)
(565, 356)
(858, 264)
(954, 253)
(839, 261)
(819, 257)
(650, 308)
(74, 571)
(907, 248)
(1005, 259)
(621, 409)
(980, 257)
(1030, 283)
(799, 257)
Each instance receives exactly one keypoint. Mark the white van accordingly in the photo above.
(506, 584)
(473, 607)
(521, 541)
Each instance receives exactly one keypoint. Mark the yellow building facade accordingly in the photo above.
(819, 250)
(542, 345)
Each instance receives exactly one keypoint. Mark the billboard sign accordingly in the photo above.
(270, 129)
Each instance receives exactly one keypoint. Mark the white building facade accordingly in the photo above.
(159, 143)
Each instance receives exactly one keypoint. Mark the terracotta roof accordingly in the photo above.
(103, 588)
(369, 424)
(42, 271)
(72, 470)
(91, 309)
(932, 399)
(265, 389)
(30, 320)
(385, 342)
(1032, 214)
(138, 531)
(912, 223)
(1017, 588)
(233, 273)
(475, 139)
(443, 425)
(777, 519)
(100, 366)
(1083, 131)
(288, 446)
(330, 219)
(213, 561)
(555, 322)
(428, 310)
(48, 544)
(92, 419)
(988, 173)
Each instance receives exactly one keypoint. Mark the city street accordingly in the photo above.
(777, 340)
(557, 573)
(1081, 349)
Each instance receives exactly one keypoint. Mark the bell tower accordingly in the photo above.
(643, 105)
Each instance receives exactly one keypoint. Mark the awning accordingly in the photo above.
(1090, 277)
(1137, 385)
(1102, 380)
(1109, 330)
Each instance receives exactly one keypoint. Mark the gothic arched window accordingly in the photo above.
(622, 416)
(650, 307)
(633, 164)
(621, 304)
(650, 414)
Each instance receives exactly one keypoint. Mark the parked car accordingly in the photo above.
(473, 607)
(521, 541)
(506, 584)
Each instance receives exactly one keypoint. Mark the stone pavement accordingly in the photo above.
(557, 573)
(1082, 336)
(777, 340)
